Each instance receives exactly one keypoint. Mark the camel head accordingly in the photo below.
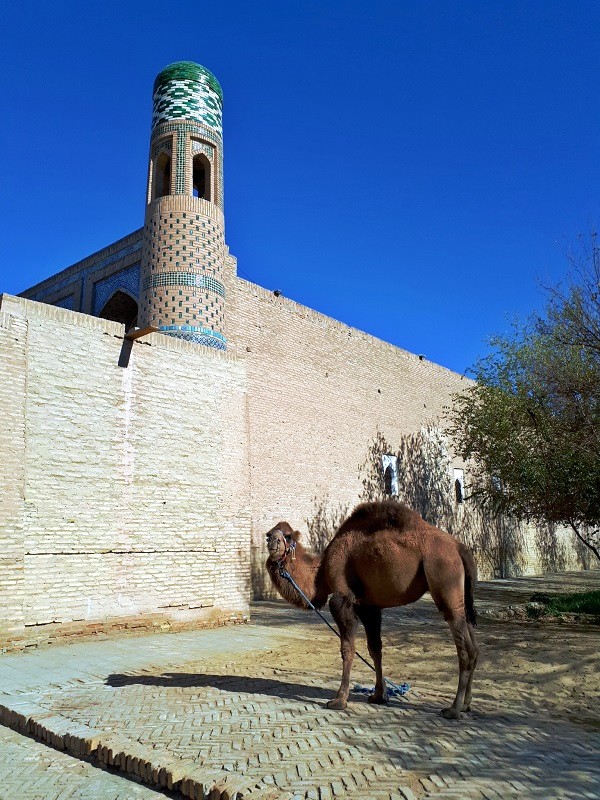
(281, 541)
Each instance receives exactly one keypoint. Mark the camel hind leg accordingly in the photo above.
(468, 691)
(468, 651)
(343, 613)
(446, 581)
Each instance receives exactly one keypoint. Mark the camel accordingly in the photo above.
(383, 555)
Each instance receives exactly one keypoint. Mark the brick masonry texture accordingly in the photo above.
(318, 394)
(182, 267)
(139, 495)
(30, 770)
(125, 489)
(183, 252)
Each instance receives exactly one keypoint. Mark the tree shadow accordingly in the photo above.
(324, 522)
(552, 551)
(426, 483)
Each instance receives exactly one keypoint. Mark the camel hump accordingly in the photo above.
(373, 517)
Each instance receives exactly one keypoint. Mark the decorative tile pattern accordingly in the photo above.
(199, 130)
(186, 131)
(163, 145)
(128, 279)
(182, 275)
(200, 147)
(182, 70)
(180, 170)
(187, 91)
(66, 302)
(191, 333)
(184, 279)
(182, 292)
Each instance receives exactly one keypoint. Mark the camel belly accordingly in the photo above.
(388, 579)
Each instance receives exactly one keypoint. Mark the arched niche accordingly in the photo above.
(121, 307)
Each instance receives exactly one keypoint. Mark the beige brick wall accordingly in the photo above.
(125, 488)
(137, 487)
(318, 393)
(13, 346)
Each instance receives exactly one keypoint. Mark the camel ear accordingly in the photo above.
(296, 535)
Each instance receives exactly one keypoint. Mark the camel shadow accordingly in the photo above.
(226, 683)
(268, 687)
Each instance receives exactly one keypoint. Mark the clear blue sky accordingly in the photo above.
(411, 168)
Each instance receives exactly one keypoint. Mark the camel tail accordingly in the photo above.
(470, 583)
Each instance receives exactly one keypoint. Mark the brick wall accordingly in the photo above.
(125, 488)
(319, 395)
(138, 480)
(13, 336)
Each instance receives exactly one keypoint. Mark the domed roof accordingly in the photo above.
(187, 71)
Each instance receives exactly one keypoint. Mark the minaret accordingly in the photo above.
(183, 251)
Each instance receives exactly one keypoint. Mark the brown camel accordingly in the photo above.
(384, 555)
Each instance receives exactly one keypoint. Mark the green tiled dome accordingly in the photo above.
(187, 71)
(187, 91)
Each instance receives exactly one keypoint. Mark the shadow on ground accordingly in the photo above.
(225, 683)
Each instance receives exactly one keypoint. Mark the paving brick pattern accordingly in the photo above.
(273, 731)
(187, 712)
(30, 770)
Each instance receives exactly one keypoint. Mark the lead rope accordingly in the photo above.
(396, 690)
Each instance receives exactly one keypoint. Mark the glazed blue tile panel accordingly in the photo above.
(184, 279)
(191, 329)
(66, 302)
(76, 276)
(198, 338)
(191, 333)
(128, 279)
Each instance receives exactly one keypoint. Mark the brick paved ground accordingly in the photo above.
(241, 710)
(30, 770)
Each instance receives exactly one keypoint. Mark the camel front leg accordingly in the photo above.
(370, 616)
(347, 622)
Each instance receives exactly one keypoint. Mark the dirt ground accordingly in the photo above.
(548, 666)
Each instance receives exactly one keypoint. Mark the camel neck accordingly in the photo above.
(302, 569)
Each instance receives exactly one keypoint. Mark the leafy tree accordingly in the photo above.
(531, 422)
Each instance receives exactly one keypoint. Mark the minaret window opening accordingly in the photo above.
(163, 175)
(201, 177)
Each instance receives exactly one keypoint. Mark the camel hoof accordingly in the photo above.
(337, 704)
(466, 708)
(377, 699)
(451, 713)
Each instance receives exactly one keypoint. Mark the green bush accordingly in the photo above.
(579, 603)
